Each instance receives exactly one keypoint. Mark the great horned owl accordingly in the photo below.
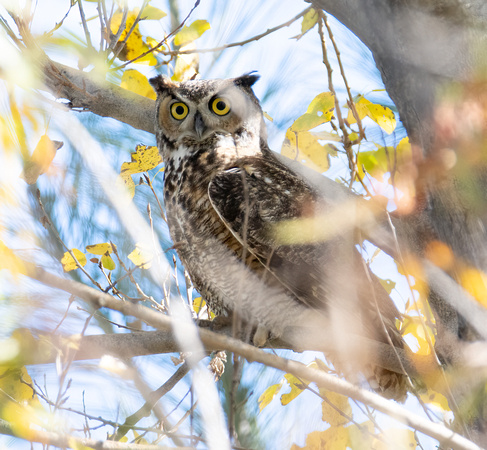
(228, 202)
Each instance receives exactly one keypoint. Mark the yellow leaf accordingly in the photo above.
(330, 414)
(412, 326)
(100, 249)
(474, 281)
(361, 435)
(41, 159)
(191, 32)
(440, 255)
(267, 396)
(152, 13)
(107, 262)
(187, 65)
(199, 305)
(309, 20)
(334, 438)
(134, 81)
(361, 109)
(383, 116)
(310, 152)
(143, 159)
(324, 103)
(69, 263)
(9, 261)
(388, 285)
(134, 46)
(306, 122)
(400, 438)
(436, 399)
(376, 162)
(13, 388)
(297, 386)
(140, 257)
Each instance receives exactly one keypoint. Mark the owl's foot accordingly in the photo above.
(261, 336)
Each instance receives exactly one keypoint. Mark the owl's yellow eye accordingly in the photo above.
(179, 110)
(220, 106)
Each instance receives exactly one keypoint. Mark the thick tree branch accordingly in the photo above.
(322, 379)
(84, 91)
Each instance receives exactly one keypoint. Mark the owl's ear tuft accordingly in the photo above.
(162, 84)
(246, 80)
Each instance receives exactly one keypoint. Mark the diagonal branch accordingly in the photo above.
(100, 300)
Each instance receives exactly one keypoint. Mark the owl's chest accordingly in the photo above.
(197, 231)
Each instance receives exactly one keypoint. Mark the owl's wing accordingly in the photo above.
(257, 198)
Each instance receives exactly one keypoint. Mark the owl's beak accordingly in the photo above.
(199, 125)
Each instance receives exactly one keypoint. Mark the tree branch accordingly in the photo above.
(322, 379)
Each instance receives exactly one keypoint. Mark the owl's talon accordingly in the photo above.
(260, 336)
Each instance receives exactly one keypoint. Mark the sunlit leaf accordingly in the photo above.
(69, 263)
(413, 326)
(400, 438)
(382, 115)
(334, 438)
(361, 435)
(388, 285)
(310, 152)
(267, 396)
(309, 20)
(134, 81)
(297, 387)
(307, 122)
(191, 32)
(187, 64)
(100, 249)
(41, 159)
(152, 13)
(143, 159)
(141, 257)
(12, 387)
(323, 103)
(107, 262)
(330, 414)
(435, 398)
(10, 261)
(474, 281)
(134, 46)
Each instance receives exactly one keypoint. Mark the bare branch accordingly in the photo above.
(322, 379)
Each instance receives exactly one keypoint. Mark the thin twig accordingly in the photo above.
(161, 43)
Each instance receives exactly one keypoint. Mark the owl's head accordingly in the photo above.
(193, 113)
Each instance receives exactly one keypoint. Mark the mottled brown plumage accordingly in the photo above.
(228, 202)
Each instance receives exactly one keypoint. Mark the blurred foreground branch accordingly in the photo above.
(213, 340)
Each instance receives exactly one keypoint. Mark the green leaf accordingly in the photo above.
(191, 32)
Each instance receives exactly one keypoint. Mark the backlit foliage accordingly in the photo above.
(332, 131)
